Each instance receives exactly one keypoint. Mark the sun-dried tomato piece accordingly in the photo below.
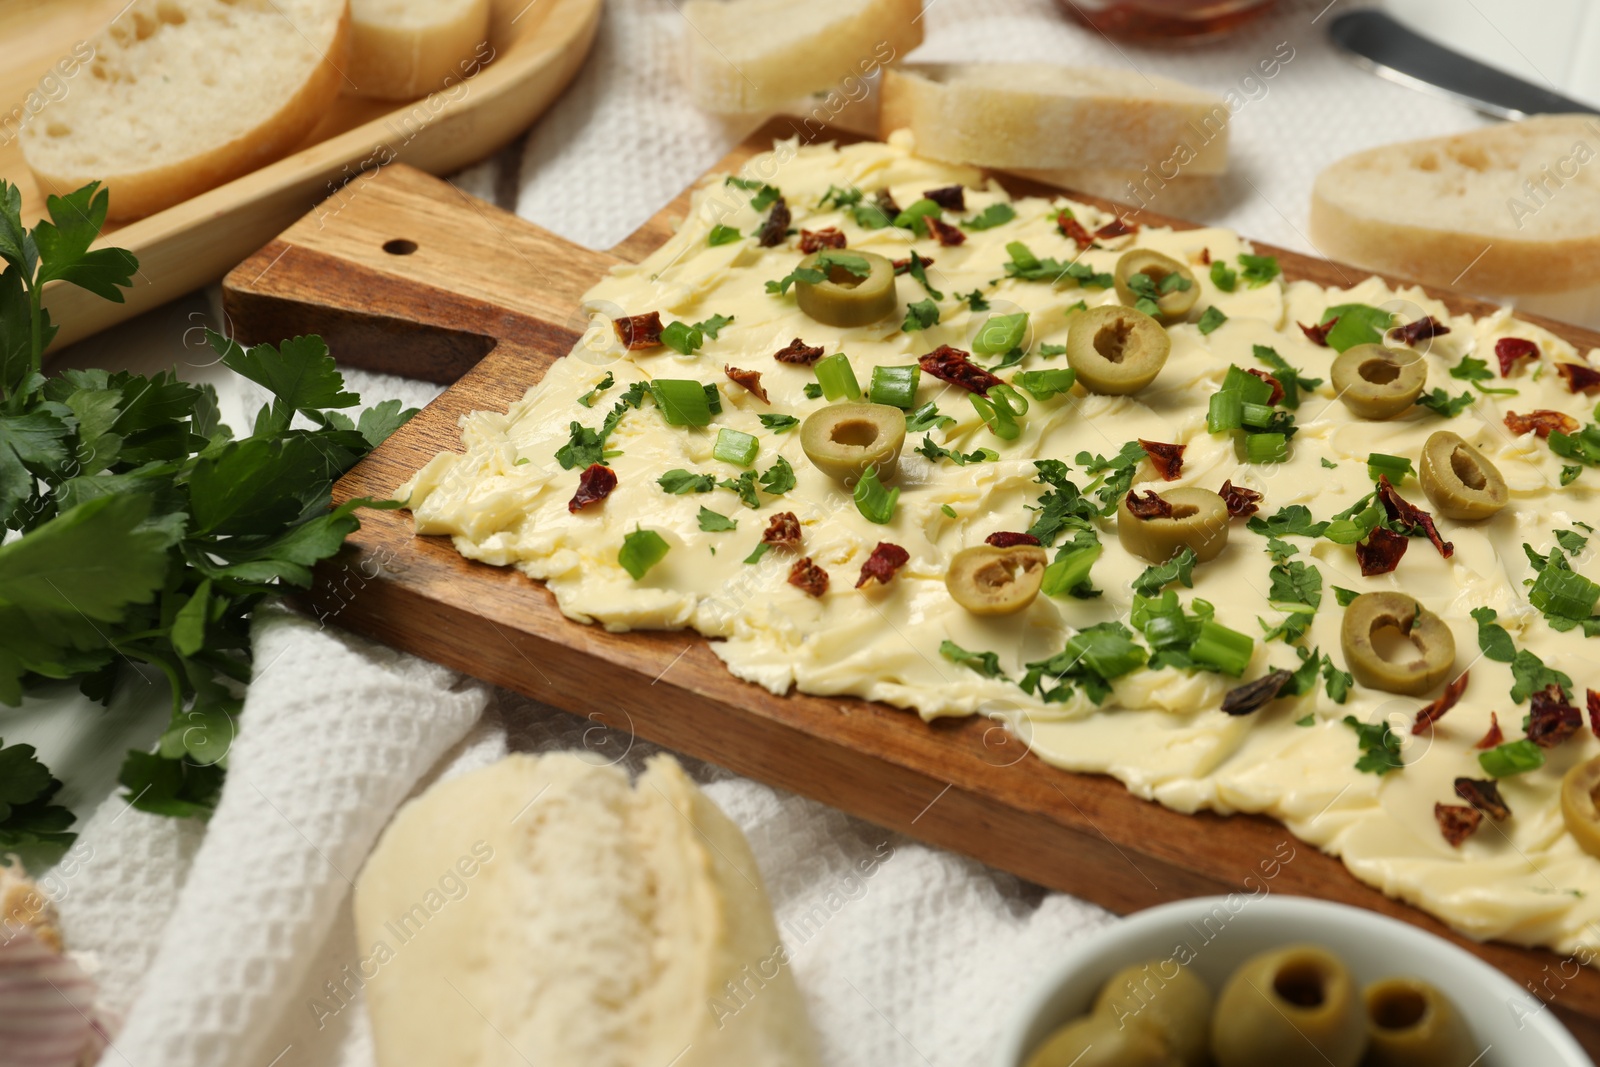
(1551, 720)
(1205, 257)
(1150, 506)
(949, 197)
(1380, 553)
(956, 367)
(1071, 227)
(797, 351)
(1242, 502)
(946, 234)
(809, 577)
(1510, 349)
(1167, 459)
(886, 204)
(1252, 696)
(1457, 822)
(783, 529)
(1421, 330)
(1318, 335)
(1580, 377)
(594, 485)
(750, 379)
(1277, 386)
(903, 266)
(1594, 712)
(1400, 509)
(881, 565)
(816, 240)
(1483, 794)
(1431, 713)
(639, 331)
(776, 228)
(1492, 736)
(1117, 227)
(1007, 538)
(1542, 422)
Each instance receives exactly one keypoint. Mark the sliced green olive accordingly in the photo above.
(1176, 1007)
(843, 440)
(1097, 1041)
(1375, 382)
(996, 581)
(1173, 305)
(1579, 791)
(1411, 1024)
(1460, 481)
(1199, 521)
(1116, 350)
(1279, 1003)
(843, 298)
(1423, 643)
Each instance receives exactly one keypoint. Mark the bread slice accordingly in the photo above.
(1046, 117)
(403, 49)
(758, 55)
(543, 911)
(184, 95)
(1507, 210)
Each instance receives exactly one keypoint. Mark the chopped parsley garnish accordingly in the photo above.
(1179, 568)
(1528, 672)
(642, 550)
(779, 478)
(813, 390)
(849, 196)
(975, 300)
(766, 195)
(723, 235)
(1359, 324)
(1092, 659)
(1048, 351)
(588, 399)
(1212, 318)
(985, 663)
(1028, 267)
(927, 417)
(1060, 510)
(1293, 520)
(679, 481)
(715, 522)
(936, 452)
(918, 269)
(1223, 276)
(1441, 403)
(760, 550)
(920, 315)
(913, 218)
(1290, 379)
(1477, 372)
(825, 261)
(1565, 597)
(990, 217)
(1512, 757)
(1257, 270)
(1493, 640)
(1380, 746)
(686, 339)
(1344, 596)
(779, 423)
(1149, 291)
(745, 486)
(1583, 446)
(1116, 474)
(1296, 591)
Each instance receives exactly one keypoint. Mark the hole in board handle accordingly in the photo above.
(399, 247)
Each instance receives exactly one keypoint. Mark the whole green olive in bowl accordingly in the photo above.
(1289, 1005)
(1169, 1001)
(1411, 1024)
(1116, 350)
(1407, 671)
(1097, 1041)
(1174, 298)
(1375, 382)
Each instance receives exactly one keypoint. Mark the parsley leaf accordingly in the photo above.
(985, 663)
(1028, 267)
(680, 481)
(722, 235)
(1493, 640)
(975, 300)
(1223, 276)
(918, 269)
(766, 195)
(920, 316)
(715, 522)
(1441, 403)
(849, 196)
(1212, 318)
(1380, 747)
(936, 452)
(1257, 270)
(1293, 520)
(927, 417)
(990, 217)
(1359, 324)
(1118, 474)
(1179, 568)
(1477, 372)
(1092, 658)
(779, 478)
(779, 423)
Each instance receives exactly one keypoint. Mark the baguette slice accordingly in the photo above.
(758, 55)
(403, 49)
(542, 910)
(1510, 209)
(184, 95)
(1046, 117)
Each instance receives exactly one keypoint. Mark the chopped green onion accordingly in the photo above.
(1227, 650)
(1396, 467)
(1258, 416)
(1000, 334)
(837, 377)
(1071, 570)
(911, 218)
(641, 550)
(1251, 389)
(1565, 593)
(735, 446)
(999, 411)
(1266, 448)
(948, 510)
(1513, 757)
(875, 503)
(895, 386)
(1226, 413)
(683, 401)
(1044, 384)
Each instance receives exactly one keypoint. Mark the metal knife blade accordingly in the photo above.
(1392, 50)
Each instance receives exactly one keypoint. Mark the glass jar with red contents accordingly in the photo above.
(1166, 20)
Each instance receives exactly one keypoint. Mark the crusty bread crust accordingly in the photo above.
(136, 193)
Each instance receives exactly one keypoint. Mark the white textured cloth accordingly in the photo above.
(232, 944)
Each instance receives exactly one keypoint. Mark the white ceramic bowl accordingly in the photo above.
(1213, 935)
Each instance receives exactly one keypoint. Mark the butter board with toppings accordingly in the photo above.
(483, 282)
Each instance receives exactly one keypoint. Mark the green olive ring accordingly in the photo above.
(842, 298)
(1277, 1003)
(1375, 382)
(1175, 1008)
(1579, 790)
(1116, 350)
(1459, 480)
(1172, 306)
(1370, 613)
(1199, 521)
(996, 581)
(1097, 1041)
(844, 440)
(1411, 1024)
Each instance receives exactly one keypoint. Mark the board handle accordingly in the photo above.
(404, 273)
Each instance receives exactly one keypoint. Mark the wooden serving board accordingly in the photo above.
(538, 46)
(468, 294)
